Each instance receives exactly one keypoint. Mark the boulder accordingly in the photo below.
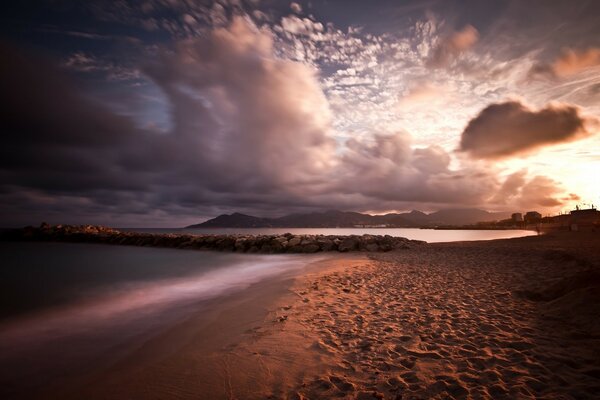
(295, 241)
(240, 244)
(326, 244)
(348, 244)
(280, 243)
(310, 248)
(372, 247)
(266, 248)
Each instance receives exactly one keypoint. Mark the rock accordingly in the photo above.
(287, 242)
(295, 241)
(281, 239)
(326, 244)
(266, 248)
(372, 247)
(348, 244)
(385, 247)
(276, 247)
(402, 245)
(310, 248)
(240, 244)
(294, 249)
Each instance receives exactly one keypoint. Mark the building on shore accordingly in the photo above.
(532, 217)
(586, 219)
(517, 217)
(577, 220)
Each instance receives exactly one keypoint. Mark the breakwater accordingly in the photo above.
(278, 243)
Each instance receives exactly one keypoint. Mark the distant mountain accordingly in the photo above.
(464, 216)
(348, 219)
(235, 220)
(416, 217)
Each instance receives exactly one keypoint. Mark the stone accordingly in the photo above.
(310, 248)
(240, 244)
(348, 244)
(295, 241)
(287, 242)
(326, 244)
(372, 247)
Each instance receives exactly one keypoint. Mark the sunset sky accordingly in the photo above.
(169, 112)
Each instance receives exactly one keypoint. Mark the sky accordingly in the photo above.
(169, 112)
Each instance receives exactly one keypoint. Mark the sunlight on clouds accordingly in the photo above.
(240, 104)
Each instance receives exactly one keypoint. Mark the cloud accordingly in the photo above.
(537, 192)
(424, 95)
(388, 168)
(245, 112)
(82, 62)
(300, 26)
(511, 128)
(450, 47)
(420, 94)
(570, 62)
(297, 8)
(250, 131)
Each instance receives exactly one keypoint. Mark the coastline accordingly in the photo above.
(512, 318)
(221, 329)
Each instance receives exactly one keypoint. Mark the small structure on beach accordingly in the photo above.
(585, 219)
(580, 219)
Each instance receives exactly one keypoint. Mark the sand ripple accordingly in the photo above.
(457, 321)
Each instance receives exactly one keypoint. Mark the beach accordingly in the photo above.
(513, 318)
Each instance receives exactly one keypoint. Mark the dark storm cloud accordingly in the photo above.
(52, 137)
(510, 128)
(250, 132)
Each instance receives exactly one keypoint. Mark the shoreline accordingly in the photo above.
(508, 318)
(224, 328)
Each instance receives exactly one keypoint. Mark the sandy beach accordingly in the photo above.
(514, 318)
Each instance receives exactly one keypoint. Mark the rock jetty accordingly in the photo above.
(277, 243)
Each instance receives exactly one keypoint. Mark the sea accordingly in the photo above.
(428, 235)
(95, 297)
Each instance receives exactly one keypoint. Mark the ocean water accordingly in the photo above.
(428, 235)
(65, 306)
(39, 276)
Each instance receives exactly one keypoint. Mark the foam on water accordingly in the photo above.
(133, 303)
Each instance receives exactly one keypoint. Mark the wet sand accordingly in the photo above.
(515, 318)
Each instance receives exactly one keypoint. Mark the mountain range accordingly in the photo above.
(348, 219)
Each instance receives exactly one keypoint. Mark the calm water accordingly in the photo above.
(36, 276)
(428, 235)
(63, 307)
